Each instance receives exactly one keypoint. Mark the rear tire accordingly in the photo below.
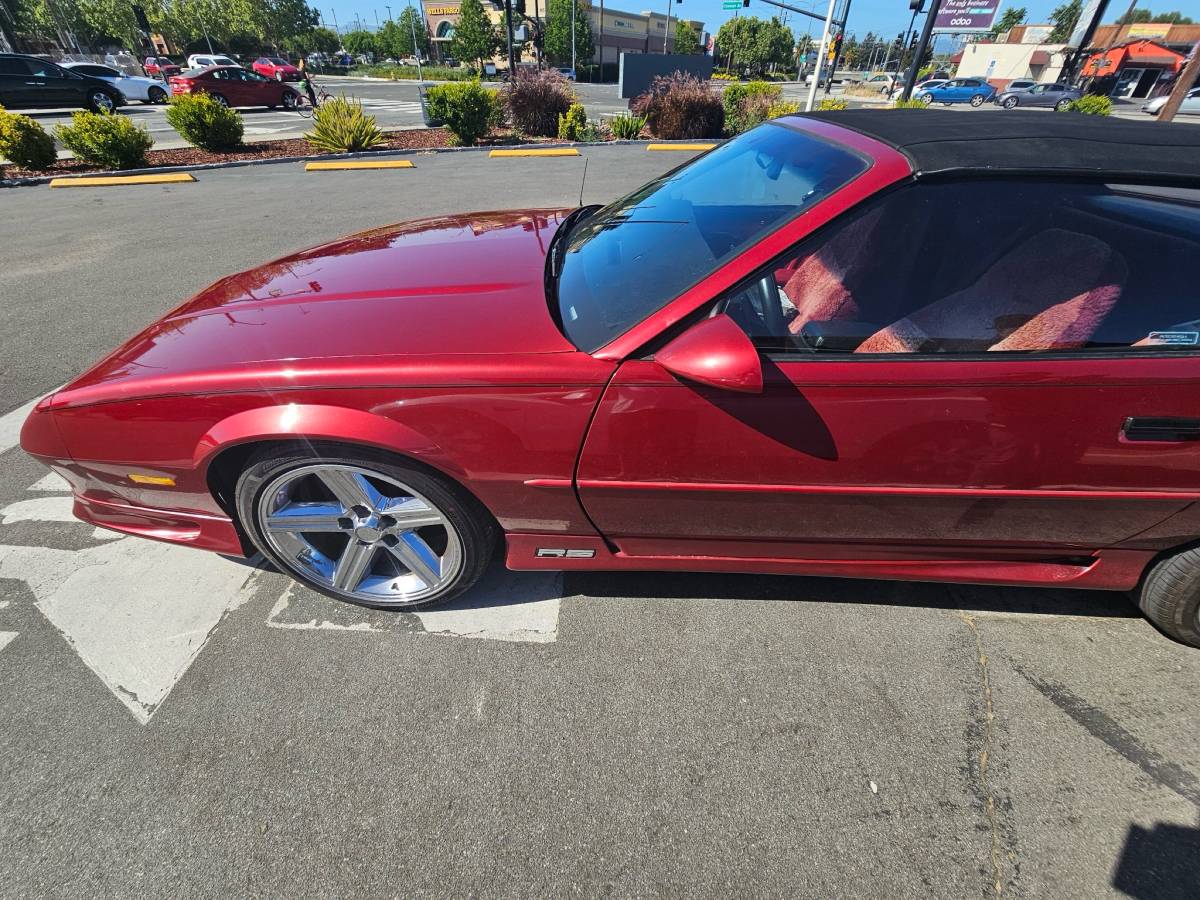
(156, 95)
(1169, 595)
(464, 539)
(220, 98)
(977, 100)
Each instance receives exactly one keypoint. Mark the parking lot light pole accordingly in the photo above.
(821, 51)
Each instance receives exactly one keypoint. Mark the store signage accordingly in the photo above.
(966, 15)
(441, 10)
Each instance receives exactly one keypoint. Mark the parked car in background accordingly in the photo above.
(160, 67)
(276, 67)
(1020, 84)
(203, 60)
(1190, 105)
(929, 83)
(975, 91)
(773, 361)
(134, 87)
(1053, 96)
(566, 72)
(29, 82)
(235, 86)
(885, 82)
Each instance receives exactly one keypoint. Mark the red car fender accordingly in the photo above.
(320, 422)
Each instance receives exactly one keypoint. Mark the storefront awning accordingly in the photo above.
(1040, 58)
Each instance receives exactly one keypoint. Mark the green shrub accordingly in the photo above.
(746, 105)
(205, 123)
(404, 73)
(535, 98)
(828, 103)
(626, 127)
(909, 104)
(467, 109)
(679, 107)
(106, 139)
(24, 142)
(341, 126)
(1091, 105)
(790, 108)
(571, 123)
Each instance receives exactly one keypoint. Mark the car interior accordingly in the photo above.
(988, 266)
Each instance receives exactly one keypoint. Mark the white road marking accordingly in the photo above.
(505, 606)
(6, 638)
(51, 482)
(56, 508)
(137, 613)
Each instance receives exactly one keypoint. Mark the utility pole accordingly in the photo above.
(412, 25)
(1183, 84)
(574, 3)
(667, 33)
(812, 91)
(926, 33)
(601, 40)
(512, 59)
(336, 29)
(1097, 10)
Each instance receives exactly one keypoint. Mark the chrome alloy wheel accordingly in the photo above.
(360, 534)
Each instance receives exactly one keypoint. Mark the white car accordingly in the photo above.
(204, 60)
(134, 87)
(1190, 105)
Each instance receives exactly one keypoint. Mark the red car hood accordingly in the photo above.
(469, 285)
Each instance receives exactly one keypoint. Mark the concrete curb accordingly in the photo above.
(202, 167)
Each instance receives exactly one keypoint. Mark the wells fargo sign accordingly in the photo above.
(441, 10)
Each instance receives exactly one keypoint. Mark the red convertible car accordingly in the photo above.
(887, 344)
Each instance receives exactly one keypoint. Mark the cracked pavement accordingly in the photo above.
(619, 734)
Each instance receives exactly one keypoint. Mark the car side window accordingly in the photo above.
(987, 267)
(40, 69)
(10, 66)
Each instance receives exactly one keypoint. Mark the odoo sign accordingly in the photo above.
(966, 15)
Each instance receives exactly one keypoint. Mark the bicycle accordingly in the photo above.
(304, 106)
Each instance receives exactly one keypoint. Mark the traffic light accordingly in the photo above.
(916, 5)
(745, 4)
(912, 45)
(835, 49)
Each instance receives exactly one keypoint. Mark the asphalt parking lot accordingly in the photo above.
(174, 724)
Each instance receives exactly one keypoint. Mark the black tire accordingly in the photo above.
(1062, 105)
(102, 101)
(1010, 103)
(477, 530)
(977, 100)
(220, 98)
(288, 101)
(156, 95)
(1169, 595)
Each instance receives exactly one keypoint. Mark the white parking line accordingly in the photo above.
(6, 638)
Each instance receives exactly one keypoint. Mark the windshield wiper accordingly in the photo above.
(555, 254)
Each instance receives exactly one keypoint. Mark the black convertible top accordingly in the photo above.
(943, 141)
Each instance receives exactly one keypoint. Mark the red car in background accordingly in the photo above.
(160, 67)
(235, 86)
(885, 344)
(276, 68)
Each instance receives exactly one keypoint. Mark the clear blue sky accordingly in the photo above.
(881, 16)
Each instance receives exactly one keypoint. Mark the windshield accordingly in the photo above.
(633, 257)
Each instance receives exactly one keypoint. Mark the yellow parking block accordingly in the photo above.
(359, 164)
(104, 180)
(550, 151)
(692, 147)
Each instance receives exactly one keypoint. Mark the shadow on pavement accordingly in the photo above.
(1041, 601)
(1159, 863)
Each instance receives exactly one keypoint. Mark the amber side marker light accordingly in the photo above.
(164, 480)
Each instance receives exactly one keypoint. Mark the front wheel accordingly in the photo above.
(978, 100)
(156, 95)
(1062, 105)
(101, 102)
(1010, 102)
(1169, 595)
(359, 526)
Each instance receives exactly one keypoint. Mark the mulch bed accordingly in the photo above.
(412, 139)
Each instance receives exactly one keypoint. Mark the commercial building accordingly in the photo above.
(623, 32)
(1002, 62)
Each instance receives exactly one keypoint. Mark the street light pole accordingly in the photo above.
(574, 3)
(667, 33)
(926, 33)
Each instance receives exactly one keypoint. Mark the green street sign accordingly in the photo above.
(732, 4)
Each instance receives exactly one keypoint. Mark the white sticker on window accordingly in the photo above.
(1174, 337)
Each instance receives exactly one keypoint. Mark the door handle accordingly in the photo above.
(1161, 428)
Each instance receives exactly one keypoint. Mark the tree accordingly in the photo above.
(687, 41)
(557, 44)
(412, 21)
(1144, 15)
(357, 42)
(1013, 16)
(1064, 18)
(323, 40)
(475, 38)
(756, 44)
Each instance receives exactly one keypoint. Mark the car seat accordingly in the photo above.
(1051, 291)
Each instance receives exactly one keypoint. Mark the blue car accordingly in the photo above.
(975, 91)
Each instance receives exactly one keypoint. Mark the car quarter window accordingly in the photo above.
(987, 267)
(10, 66)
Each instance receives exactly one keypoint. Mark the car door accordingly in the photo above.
(260, 90)
(52, 87)
(1191, 103)
(15, 91)
(923, 398)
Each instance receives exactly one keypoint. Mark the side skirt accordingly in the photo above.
(1113, 570)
